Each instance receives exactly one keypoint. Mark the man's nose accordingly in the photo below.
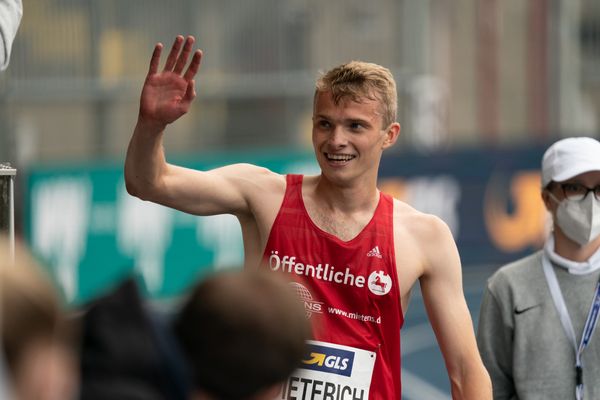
(337, 136)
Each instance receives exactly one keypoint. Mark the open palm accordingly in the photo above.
(168, 94)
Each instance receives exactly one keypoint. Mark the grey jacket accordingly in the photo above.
(521, 339)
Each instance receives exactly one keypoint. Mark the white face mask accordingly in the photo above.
(579, 220)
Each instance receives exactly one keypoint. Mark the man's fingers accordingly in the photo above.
(194, 66)
(155, 59)
(185, 54)
(172, 58)
(190, 92)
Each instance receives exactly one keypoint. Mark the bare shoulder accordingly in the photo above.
(426, 237)
(419, 225)
(263, 189)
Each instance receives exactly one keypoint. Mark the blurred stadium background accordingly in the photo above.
(484, 86)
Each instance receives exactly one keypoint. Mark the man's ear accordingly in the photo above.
(391, 135)
(546, 199)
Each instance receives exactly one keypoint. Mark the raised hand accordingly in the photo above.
(168, 94)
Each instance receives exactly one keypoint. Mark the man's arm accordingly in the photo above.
(494, 338)
(166, 96)
(441, 285)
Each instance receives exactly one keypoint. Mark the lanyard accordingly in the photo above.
(590, 323)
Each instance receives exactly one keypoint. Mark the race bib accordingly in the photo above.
(331, 372)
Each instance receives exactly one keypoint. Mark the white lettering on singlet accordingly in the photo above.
(325, 272)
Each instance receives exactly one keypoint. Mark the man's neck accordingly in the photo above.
(349, 199)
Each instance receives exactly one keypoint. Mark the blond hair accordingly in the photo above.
(357, 80)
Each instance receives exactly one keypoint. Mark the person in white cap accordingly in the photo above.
(538, 315)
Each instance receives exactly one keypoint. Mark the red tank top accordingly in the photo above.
(351, 294)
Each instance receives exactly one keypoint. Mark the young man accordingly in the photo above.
(353, 252)
(539, 313)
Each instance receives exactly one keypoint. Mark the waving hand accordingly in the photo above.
(168, 94)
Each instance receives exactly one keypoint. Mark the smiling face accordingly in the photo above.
(348, 137)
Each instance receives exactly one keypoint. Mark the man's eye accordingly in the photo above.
(574, 188)
(356, 126)
(324, 124)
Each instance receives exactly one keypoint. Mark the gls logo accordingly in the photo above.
(328, 359)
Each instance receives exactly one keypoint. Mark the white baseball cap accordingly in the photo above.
(570, 157)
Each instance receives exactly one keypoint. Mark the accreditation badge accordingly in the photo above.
(330, 371)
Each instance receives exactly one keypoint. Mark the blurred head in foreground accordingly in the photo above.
(243, 333)
(38, 359)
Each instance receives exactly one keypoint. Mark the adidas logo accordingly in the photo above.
(374, 252)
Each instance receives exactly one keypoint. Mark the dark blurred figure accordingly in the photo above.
(37, 352)
(11, 12)
(238, 336)
(242, 333)
(127, 351)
